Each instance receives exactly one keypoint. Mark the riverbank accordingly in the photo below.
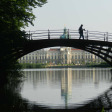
(33, 65)
(78, 66)
(37, 65)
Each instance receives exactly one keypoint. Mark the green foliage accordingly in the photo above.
(93, 64)
(14, 15)
(103, 110)
(33, 65)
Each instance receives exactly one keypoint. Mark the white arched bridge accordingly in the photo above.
(98, 43)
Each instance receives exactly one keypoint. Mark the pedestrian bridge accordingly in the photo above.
(98, 43)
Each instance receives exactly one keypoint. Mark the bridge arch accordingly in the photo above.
(101, 49)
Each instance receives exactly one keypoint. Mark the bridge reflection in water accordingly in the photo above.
(67, 79)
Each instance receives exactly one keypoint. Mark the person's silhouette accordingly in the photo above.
(81, 32)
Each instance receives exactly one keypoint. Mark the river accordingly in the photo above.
(65, 88)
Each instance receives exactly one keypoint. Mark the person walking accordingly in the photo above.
(81, 32)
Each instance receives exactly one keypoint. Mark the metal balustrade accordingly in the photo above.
(73, 34)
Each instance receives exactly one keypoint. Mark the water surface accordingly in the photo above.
(65, 88)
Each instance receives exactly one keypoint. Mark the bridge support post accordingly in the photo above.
(107, 37)
(48, 34)
(68, 34)
(104, 36)
(31, 36)
(87, 34)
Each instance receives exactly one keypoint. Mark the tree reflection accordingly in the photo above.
(10, 100)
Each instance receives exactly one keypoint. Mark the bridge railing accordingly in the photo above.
(72, 34)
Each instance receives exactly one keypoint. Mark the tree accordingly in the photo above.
(14, 14)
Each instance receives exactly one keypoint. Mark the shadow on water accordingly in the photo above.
(11, 100)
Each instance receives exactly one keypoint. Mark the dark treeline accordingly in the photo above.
(40, 65)
(33, 65)
(14, 15)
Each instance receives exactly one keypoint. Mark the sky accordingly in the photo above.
(95, 15)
